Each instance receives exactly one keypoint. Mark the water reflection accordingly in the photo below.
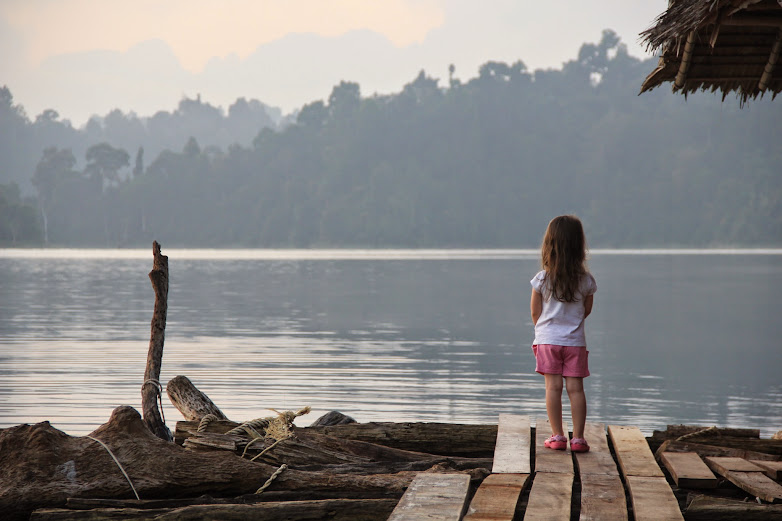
(396, 337)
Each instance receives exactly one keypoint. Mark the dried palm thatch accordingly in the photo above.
(718, 45)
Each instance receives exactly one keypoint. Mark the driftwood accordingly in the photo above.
(41, 466)
(192, 403)
(442, 439)
(676, 431)
(445, 439)
(321, 510)
(151, 388)
(712, 450)
(305, 450)
(705, 508)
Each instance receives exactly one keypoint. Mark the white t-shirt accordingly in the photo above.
(562, 323)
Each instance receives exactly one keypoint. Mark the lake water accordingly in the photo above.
(429, 335)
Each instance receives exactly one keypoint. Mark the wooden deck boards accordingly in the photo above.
(549, 460)
(633, 452)
(497, 497)
(650, 494)
(512, 449)
(652, 499)
(550, 497)
(688, 470)
(439, 497)
(602, 498)
(598, 460)
(602, 492)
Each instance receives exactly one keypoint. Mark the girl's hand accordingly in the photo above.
(536, 306)
(588, 305)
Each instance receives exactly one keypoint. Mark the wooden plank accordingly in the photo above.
(602, 498)
(512, 450)
(688, 470)
(550, 460)
(550, 497)
(772, 469)
(496, 498)
(652, 499)
(757, 484)
(598, 460)
(441, 497)
(723, 465)
(748, 477)
(633, 452)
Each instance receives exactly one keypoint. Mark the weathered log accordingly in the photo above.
(676, 431)
(41, 466)
(151, 388)
(332, 418)
(310, 451)
(192, 403)
(443, 439)
(705, 508)
(310, 448)
(712, 450)
(321, 510)
(756, 445)
(80, 503)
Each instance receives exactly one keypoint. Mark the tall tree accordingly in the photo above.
(138, 169)
(55, 165)
(104, 163)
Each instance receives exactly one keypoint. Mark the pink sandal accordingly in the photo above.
(556, 442)
(579, 445)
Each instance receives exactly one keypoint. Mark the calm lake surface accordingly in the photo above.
(435, 336)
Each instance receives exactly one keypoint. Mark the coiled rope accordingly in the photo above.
(118, 464)
(205, 421)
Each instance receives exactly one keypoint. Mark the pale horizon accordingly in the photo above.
(88, 57)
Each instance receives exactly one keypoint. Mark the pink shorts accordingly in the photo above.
(564, 360)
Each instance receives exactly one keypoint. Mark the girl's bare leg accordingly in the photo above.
(578, 404)
(554, 402)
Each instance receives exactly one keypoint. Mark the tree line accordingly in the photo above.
(484, 162)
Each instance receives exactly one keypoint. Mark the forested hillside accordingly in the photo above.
(484, 162)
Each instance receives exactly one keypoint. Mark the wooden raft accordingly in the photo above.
(603, 496)
(650, 494)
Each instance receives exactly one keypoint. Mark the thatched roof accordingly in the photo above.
(725, 45)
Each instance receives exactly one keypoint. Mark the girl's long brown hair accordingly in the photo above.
(563, 256)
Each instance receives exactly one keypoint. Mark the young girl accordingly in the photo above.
(562, 296)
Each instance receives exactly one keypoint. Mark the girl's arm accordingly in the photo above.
(536, 306)
(588, 305)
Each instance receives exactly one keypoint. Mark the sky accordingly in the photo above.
(88, 57)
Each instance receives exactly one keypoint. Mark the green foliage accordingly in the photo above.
(480, 163)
